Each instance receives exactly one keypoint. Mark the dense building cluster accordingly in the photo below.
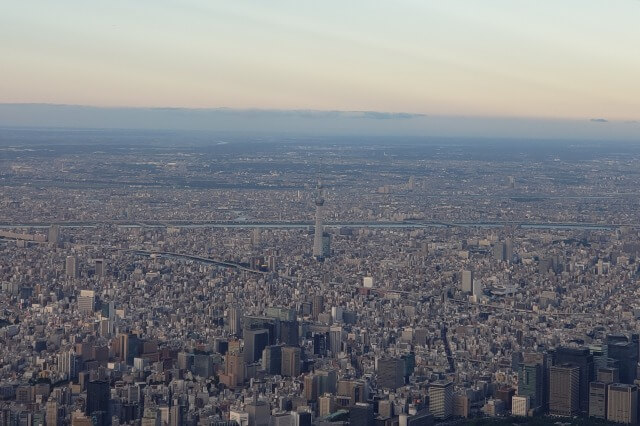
(393, 297)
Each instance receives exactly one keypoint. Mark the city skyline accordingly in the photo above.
(286, 213)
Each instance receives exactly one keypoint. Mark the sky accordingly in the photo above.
(535, 59)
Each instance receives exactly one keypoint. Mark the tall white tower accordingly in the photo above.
(319, 229)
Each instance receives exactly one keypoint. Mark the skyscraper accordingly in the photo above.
(301, 418)
(86, 301)
(318, 305)
(123, 346)
(520, 406)
(234, 369)
(53, 417)
(564, 390)
(608, 375)
(361, 414)
(390, 373)
(625, 351)
(71, 267)
(499, 252)
(508, 250)
(99, 268)
(467, 281)
(582, 358)
(311, 387)
(53, 235)
(254, 342)
(234, 320)
(530, 383)
(259, 414)
(290, 361)
(68, 363)
(598, 400)
(441, 399)
(327, 380)
(272, 359)
(622, 404)
(319, 227)
(98, 396)
(540, 358)
(335, 339)
(289, 334)
(326, 405)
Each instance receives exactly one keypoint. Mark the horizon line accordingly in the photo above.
(392, 114)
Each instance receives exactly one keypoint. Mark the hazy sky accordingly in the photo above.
(525, 58)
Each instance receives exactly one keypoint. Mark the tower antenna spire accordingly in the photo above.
(318, 235)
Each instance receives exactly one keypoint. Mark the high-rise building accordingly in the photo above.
(441, 399)
(390, 373)
(128, 347)
(281, 418)
(53, 416)
(508, 250)
(499, 252)
(461, 406)
(530, 383)
(326, 405)
(564, 390)
(78, 418)
(582, 358)
(290, 361)
(202, 365)
(254, 343)
(622, 403)
(99, 268)
(409, 365)
(540, 358)
(477, 288)
(289, 334)
(467, 281)
(259, 413)
(598, 400)
(625, 351)
(69, 364)
(234, 320)
(327, 381)
(234, 369)
(421, 418)
(98, 398)
(335, 340)
(272, 359)
(241, 418)
(608, 375)
(53, 236)
(318, 305)
(520, 405)
(319, 226)
(355, 390)
(271, 324)
(176, 414)
(505, 394)
(256, 237)
(311, 386)
(301, 418)
(361, 414)
(86, 301)
(71, 267)
(320, 344)
(281, 313)
(326, 245)
(135, 344)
